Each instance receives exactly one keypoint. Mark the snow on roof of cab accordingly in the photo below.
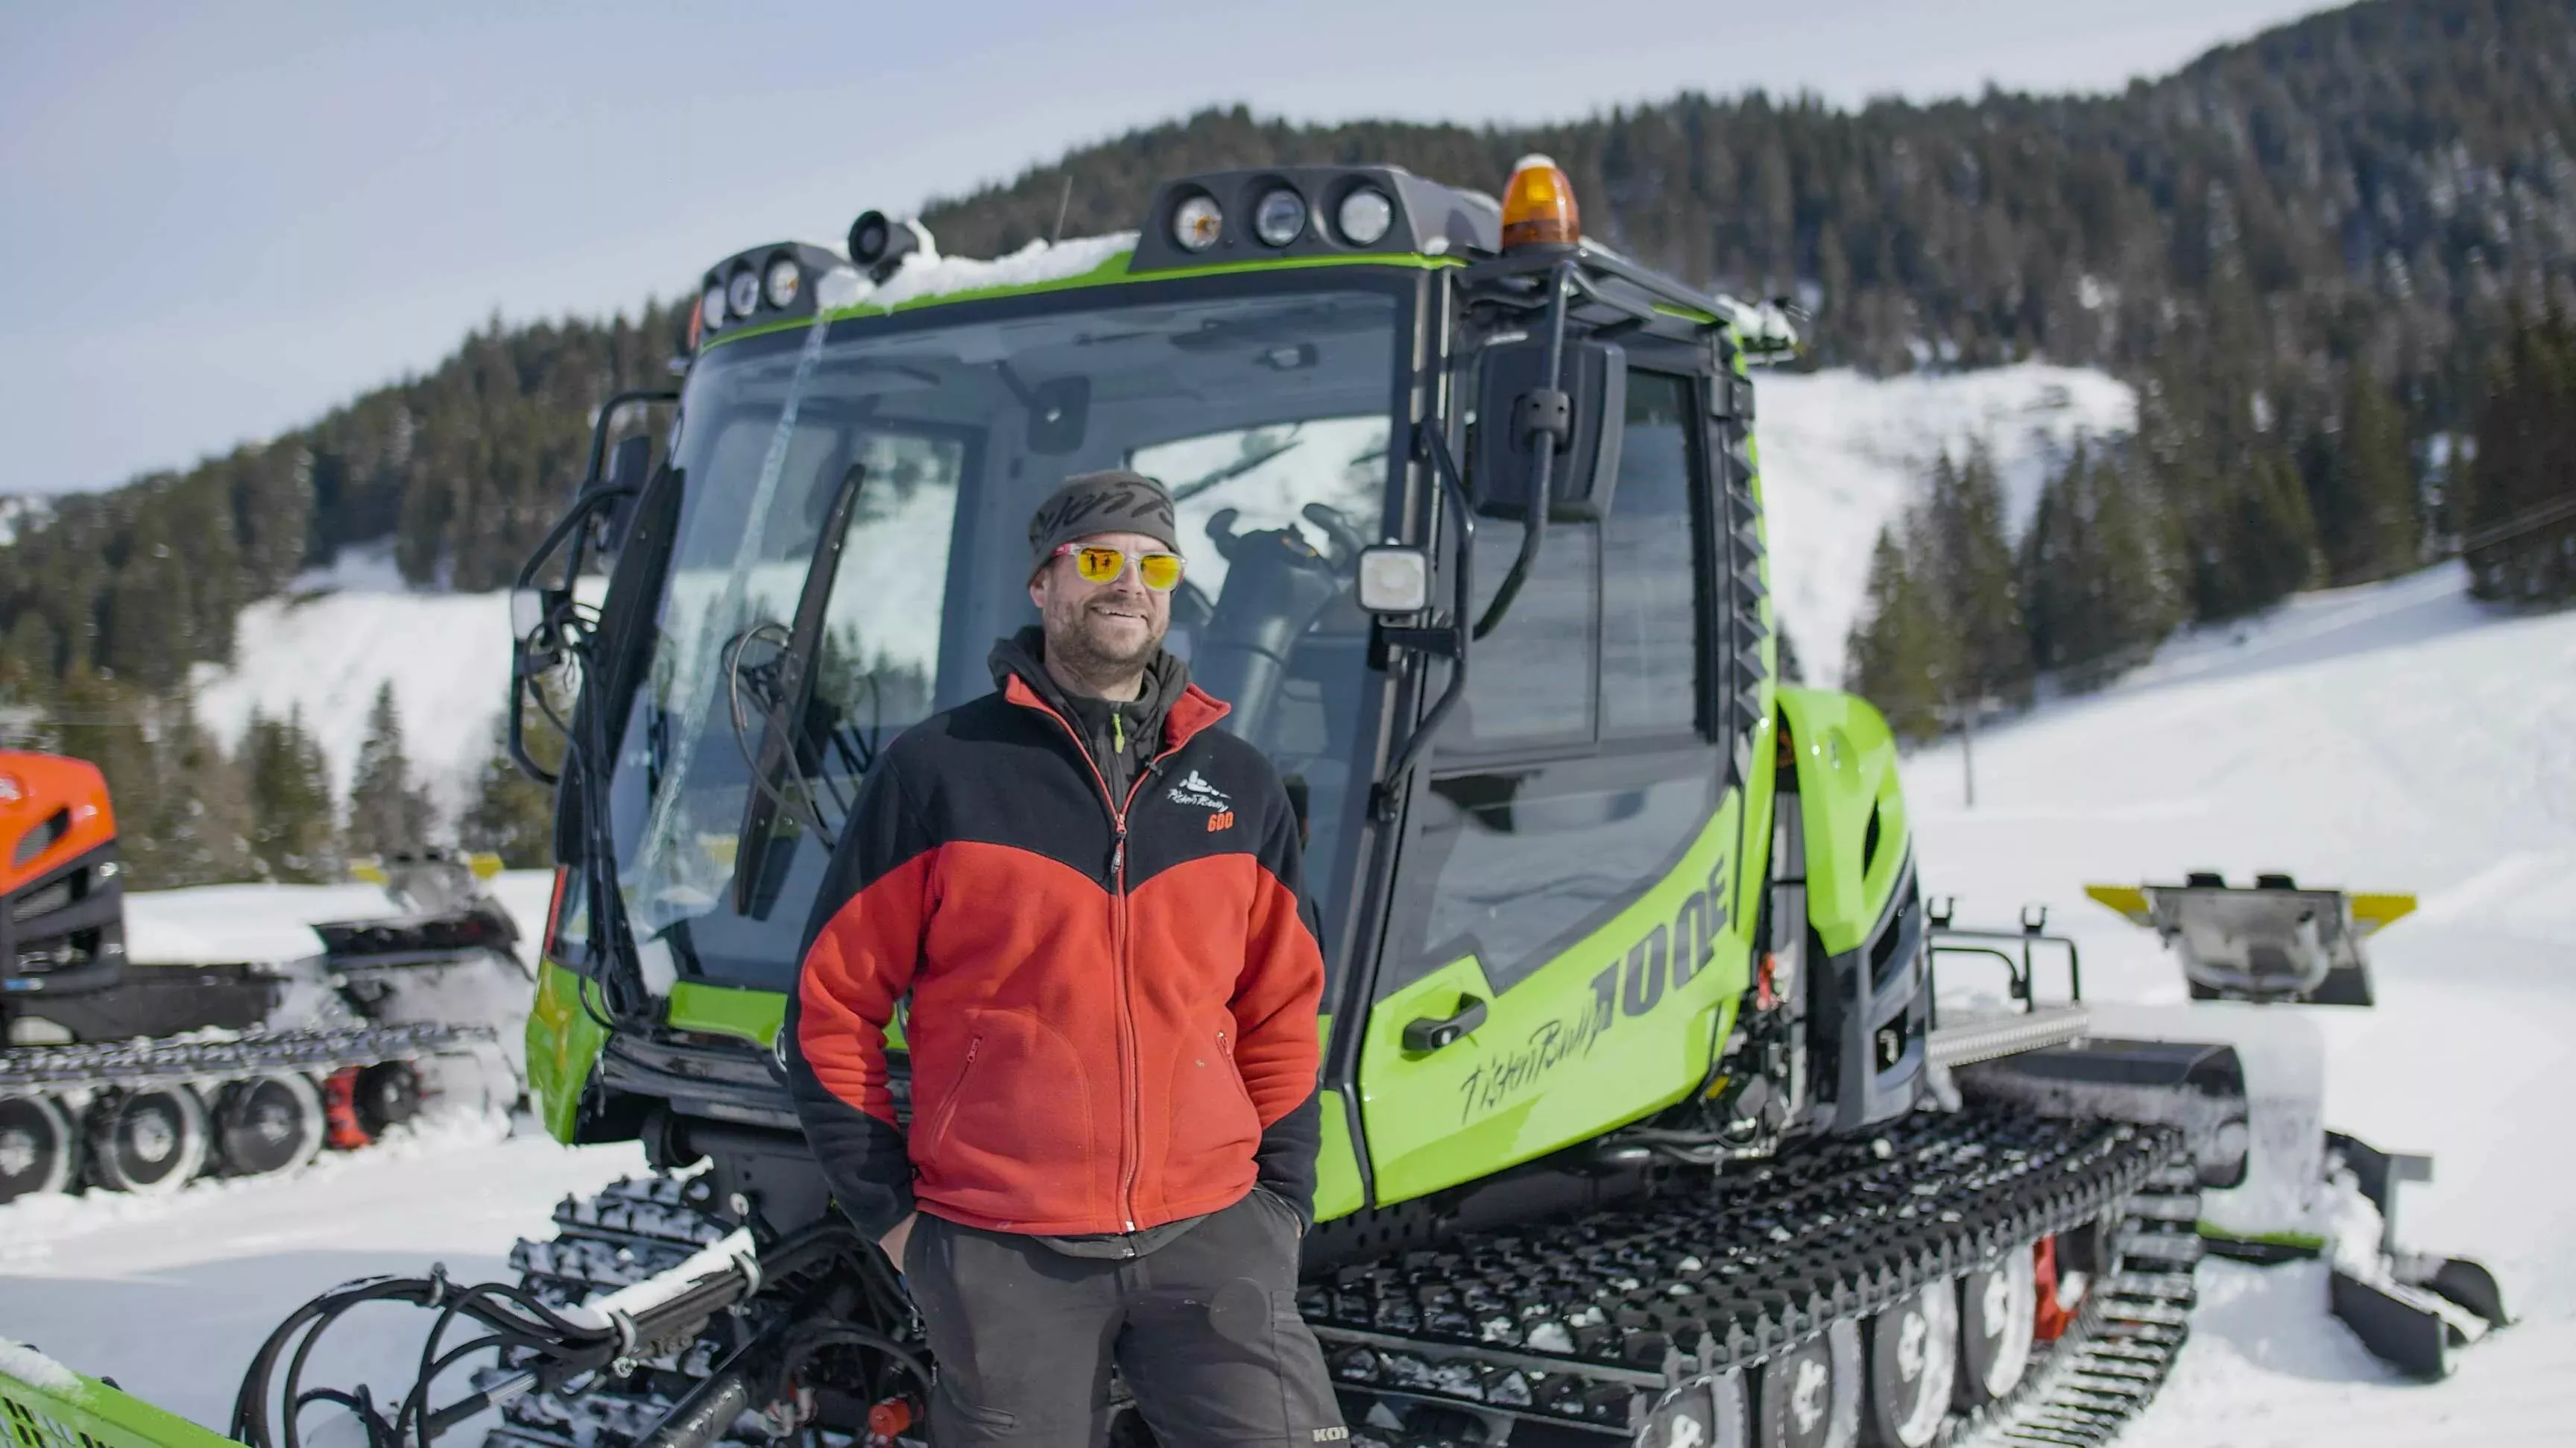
(1034, 263)
(17, 1360)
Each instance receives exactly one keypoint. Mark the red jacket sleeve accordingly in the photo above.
(864, 942)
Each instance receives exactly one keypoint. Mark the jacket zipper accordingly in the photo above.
(1129, 1155)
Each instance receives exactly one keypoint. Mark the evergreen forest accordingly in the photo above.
(2337, 260)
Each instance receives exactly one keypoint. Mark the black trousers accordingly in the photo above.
(1204, 1329)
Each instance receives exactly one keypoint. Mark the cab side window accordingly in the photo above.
(1530, 680)
(1651, 648)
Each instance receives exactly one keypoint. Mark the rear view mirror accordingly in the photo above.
(628, 464)
(1394, 579)
(1516, 413)
(628, 468)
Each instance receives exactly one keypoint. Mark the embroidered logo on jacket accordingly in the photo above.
(1222, 820)
(1193, 788)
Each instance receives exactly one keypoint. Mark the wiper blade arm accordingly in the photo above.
(783, 732)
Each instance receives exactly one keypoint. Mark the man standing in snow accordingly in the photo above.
(1095, 902)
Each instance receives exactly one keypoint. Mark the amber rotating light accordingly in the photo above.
(1538, 207)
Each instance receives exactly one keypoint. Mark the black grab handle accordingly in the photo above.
(1433, 1032)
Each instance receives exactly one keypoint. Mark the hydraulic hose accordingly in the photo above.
(706, 1414)
(557, 1346)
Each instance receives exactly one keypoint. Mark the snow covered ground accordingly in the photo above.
(215, 924)
(2394, 737)
(1841, 454)
(171, 1296)
(326, 645)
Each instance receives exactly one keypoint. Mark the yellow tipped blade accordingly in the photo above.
(484, 864)
(366, 868)
(2374, 913)
(2129, 900)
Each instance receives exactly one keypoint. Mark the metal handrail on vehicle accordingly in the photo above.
(1946, 939)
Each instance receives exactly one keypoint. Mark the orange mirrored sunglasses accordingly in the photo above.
(1158, 571)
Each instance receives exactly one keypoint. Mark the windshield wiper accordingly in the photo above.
(1236, 469)
(784, 737)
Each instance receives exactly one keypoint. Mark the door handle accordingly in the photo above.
(1430, 1033)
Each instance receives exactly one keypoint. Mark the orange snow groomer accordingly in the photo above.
(62, 896)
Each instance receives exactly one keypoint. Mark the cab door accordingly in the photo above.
(1562, 952)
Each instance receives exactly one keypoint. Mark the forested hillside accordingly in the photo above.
(2311, 251)
(2373, 181)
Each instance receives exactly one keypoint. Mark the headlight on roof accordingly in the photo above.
(1197, 222)
(783, 281)
(1279, 217)
(711, 308)
(1365, 216)
(742, 292)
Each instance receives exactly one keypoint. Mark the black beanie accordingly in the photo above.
(1116, 501)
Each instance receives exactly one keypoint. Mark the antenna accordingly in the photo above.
(1062, 205)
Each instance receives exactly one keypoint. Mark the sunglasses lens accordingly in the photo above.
(1098, 565)
(1160, 571)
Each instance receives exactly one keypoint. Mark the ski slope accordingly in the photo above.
(1841, 454)
(2394, 737)
(2397, 737)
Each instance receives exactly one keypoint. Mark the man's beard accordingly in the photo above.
(1077, 645)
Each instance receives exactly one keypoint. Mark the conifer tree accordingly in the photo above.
(2520, 543)
(2097, 589)
(196, 827)
(388, 812)
(511, 815)
(1968, 563)
(1903, 656)
(2361, 486)
(109, 722)
(292, 836)
(2272, 537)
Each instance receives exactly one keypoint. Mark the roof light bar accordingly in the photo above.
(768, 283)
(1299, 211)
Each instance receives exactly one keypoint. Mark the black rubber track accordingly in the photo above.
(138, 1065)
(1595, 1328)
(1602, 1324)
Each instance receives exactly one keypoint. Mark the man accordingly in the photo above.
(1095, 903)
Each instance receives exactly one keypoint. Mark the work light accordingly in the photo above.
(1280, 216)
(1365, 216)
(782, 283)
(1196, 222)
(879, 244)
(742, 292)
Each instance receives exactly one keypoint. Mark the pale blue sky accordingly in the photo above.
(216, 222)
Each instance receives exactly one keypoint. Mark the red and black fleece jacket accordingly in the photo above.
(1113, 1003)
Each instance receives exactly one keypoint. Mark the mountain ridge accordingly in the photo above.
(2377, 191)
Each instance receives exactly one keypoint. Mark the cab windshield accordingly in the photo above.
(1264, 414)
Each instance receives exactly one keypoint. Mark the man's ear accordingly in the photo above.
(1037, 589)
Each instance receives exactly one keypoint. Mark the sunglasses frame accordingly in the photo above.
(1125, 558)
